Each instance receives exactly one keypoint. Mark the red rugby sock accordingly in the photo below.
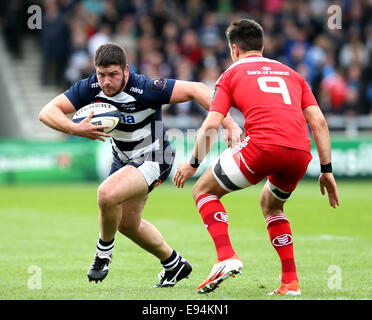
(215, 219)
(282, 240)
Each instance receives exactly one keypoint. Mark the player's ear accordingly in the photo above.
(126, 71)
(231, 46)
(236, 50)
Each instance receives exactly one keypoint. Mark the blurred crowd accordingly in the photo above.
(186, 40)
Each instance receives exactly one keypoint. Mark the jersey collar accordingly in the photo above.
(253, 56)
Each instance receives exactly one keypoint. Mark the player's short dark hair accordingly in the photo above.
(108, 54)
(246, 34)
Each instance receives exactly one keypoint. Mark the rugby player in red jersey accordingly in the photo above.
(277, 104)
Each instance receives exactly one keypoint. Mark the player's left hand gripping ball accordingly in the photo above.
(184, 172)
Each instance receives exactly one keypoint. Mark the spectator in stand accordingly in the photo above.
(209, 32)
(185, 71)
(55, 43)
(191, 33)
(94, 6)
(110, 15)
(190, 47)
(79, 64)
(125, 33)
(366, 80)
(353, 89)
(333, 91)
(354, 51)
(153, 65)
(11, 12)
(102, 36)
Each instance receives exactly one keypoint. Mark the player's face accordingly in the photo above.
(112, 79)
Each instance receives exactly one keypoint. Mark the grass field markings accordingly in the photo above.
(29, 230)
(341, 238)
(326, 237)
(19, 210)
(46, 210)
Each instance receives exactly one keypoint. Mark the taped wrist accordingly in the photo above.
(326, 168)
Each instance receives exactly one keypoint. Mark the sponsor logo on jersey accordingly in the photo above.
(240, 145)
(282, 240)
(129, 119)
(221, 216)
(128, 107)
(158, 84)
(95, 85)
(136, 90)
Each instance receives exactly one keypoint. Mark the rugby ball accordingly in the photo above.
(105, 114)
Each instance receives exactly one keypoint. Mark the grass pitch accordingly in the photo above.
(49, 233)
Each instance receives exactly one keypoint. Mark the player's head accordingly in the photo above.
(110, 61)
(244, 35)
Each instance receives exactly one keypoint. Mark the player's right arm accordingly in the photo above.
(315, 118)
(198, 91)
(53, 114)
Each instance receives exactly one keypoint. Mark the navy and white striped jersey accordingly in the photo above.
(141, 129)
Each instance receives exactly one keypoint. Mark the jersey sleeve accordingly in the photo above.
(158, 91)
(221, 100)
(307, 98)
(80, 93)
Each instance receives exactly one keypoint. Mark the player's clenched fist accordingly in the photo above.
(184, 172)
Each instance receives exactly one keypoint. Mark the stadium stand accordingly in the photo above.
(185, 40)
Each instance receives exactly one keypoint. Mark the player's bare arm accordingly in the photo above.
(198, 91)
(204, 141)
(54, 115)
(314, 117)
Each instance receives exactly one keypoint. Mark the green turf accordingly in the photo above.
(54, 227)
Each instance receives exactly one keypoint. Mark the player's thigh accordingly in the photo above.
(132, 213)
(228, 174)
(122, 185)
(291, 168)
(280, 185)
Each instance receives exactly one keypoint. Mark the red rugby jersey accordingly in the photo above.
(271, 97)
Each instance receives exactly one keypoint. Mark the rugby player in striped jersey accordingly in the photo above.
(142, 154)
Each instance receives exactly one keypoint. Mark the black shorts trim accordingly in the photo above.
(280, 194)
(220, 173)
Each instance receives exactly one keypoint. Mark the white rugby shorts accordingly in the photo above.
(228, 174)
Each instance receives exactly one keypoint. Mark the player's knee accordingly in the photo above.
(203, 186)
(270, 206)
(105, 197)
